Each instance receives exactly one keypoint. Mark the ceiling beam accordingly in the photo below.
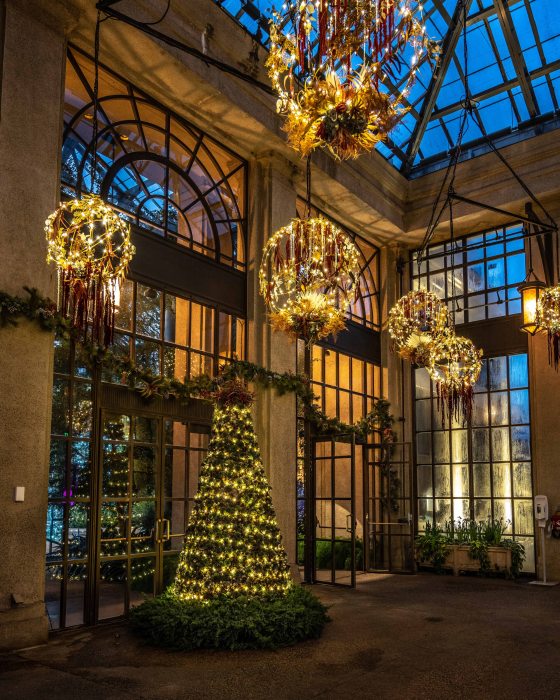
(514, 48)
(448, 49)
(485, 14)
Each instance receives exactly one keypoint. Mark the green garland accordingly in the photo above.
(146, 384)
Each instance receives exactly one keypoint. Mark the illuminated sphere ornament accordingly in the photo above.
(454, 366)
(309, 272)
(548, 320)
(414, 321)
(91, 247)
(330, 62)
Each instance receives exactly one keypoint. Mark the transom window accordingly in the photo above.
(478, 274)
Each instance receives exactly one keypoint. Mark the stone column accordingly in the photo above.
(32, 68)
(272, 203)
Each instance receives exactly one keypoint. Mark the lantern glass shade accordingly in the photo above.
(530, 292)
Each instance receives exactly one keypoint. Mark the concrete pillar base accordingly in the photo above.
(23, 626)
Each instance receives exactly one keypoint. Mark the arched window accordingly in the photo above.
(161, 172)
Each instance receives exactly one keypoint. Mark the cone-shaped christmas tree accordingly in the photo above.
(233, 546)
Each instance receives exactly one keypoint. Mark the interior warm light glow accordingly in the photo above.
(530, 292)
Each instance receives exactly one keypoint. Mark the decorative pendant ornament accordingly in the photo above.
(309, 270)
(328, 62)
(548, 320)
(454, 366)
(90, 244)
(415, 321)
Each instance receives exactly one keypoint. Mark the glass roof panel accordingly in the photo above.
(503, 49)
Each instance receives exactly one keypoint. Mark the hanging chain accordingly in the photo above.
(95, 101)
(308, 188)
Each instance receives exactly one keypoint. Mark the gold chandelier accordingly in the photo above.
(329, 61)
(91, 247)
(454, 366)
(414, 322)
(309, 271)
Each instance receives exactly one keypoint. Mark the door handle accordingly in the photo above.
(167, 530)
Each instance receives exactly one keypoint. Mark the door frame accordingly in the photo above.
(113, 398)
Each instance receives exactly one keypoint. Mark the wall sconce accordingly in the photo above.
(530, 291)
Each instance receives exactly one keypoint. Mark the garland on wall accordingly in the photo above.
(149, 386)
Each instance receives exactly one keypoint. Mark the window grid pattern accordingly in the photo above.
(481, 470)
(174, 336)
(477, 275)
(162, 173)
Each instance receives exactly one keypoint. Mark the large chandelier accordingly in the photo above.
(414, 322)
(547, 319)
(309, 271)
(91, 247)
(330, 62)
(454, 366)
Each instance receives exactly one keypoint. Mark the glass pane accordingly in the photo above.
(522, 483)
(78, 520)
(142, 526)
(423, 414)
(480, 410)
(519, 406)
(423, 388)
(518, 371)
(80, 467)
(500, 445)
(524, 517)
(145, 429)
(424, 477)
(142, 572)
(424, 448)
(112, 589)
(520, 443)
(75, 594)
(148, 311)
(481, 445)
(501, 479)
(499, 408)
(116, 427)
(482, 509)
(498, 373)
(442, 481)
(459, 446)
(57, 469)
(144, 471)
(114, 528)
(441, 446)
(481, 480)
(115, 470)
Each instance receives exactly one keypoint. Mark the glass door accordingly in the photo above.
(335, 512)
(149, 468)
(389, 541)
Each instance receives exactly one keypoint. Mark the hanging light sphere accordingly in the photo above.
(328, 61)
(547, 320)
(91, 247)
(309, 270)
(414, 321)
(454, 366)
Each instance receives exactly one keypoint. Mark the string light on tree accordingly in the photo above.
(233, 545)
(309, 272)
(329, 62)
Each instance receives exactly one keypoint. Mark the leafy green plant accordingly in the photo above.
(517, 556)
(239, 623)
(432, 546)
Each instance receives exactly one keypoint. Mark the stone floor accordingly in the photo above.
(394, 637)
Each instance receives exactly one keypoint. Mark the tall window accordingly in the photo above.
(122, 480)
(479, 272)
(482, 469)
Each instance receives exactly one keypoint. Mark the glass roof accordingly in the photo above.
(514, 75)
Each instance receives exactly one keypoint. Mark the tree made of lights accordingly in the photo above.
(233, 546)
